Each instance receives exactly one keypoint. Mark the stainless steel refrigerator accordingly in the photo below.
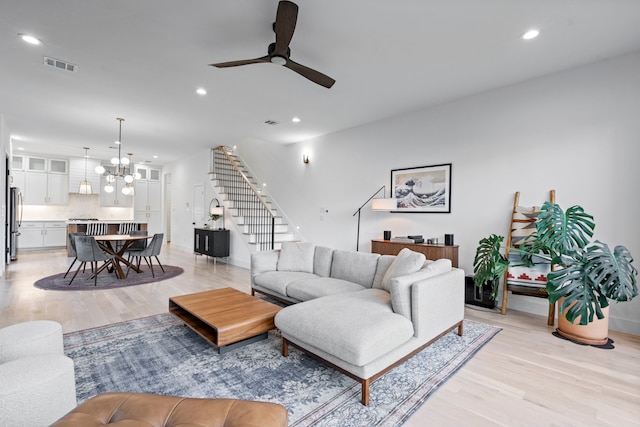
(15, 220)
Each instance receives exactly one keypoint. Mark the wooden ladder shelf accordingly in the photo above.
(522, 224)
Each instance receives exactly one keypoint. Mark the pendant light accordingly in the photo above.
(85, 186)
(122, 168)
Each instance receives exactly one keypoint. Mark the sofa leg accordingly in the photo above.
(365, 392)
(460, 328)
(285, 348)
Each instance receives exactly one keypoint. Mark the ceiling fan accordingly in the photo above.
(279, 52)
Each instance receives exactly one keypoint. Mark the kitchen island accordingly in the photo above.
(94, 227)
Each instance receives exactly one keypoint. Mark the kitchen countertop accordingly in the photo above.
(100, 221)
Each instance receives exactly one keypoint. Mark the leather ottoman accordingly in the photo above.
(138, 409)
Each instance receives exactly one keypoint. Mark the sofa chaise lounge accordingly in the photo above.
(360, 313)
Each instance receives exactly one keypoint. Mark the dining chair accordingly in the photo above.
(87, 250)
(72, 249)
(132, 232)
(138, 245)
(152, 250)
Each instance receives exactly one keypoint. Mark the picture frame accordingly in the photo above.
(424, 189)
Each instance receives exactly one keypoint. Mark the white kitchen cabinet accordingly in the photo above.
(46, 181)
(42, 234)
(46, 189)
(55, 234)
(148, 173)
(17, 172)
(148, 198)
(36, 164)
(17, 163)
(44, 164)
(30, 235)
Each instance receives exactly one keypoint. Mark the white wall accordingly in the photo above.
(576, 132)
(5, 148)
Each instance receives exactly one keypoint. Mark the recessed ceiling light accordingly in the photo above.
(296, 120)
(201, 91)
(531, 34)
(30, 39)
(155, 157)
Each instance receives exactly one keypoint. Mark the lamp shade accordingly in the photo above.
(384, 204)
(85, 188)
(216, 210)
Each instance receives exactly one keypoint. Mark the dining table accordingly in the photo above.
(108, 243)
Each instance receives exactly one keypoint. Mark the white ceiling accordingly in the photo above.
(143, 60)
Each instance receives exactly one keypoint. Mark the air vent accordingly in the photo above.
(62, 65)
(271, 122)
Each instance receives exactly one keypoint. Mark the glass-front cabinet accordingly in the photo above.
(46, 180)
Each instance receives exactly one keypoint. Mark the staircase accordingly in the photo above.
(252, 211)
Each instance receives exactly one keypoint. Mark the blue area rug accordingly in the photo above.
(158, 354)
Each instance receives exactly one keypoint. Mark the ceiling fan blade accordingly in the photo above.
(313, 75)
(241, 62)
(285, 24)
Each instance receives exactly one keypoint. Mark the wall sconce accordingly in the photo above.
(218, 209)
(305, 158)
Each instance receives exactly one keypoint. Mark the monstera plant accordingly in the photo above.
(584, 275)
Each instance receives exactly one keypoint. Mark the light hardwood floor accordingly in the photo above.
(523, 377)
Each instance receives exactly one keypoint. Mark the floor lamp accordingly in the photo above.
(383, 204)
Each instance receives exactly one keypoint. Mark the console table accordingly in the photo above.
(433, 252)
(214, 243)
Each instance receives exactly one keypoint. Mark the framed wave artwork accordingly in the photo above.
(422, 189)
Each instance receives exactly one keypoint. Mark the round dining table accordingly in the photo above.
(106, 243)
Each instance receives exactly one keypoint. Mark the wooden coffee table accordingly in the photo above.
(225, 317)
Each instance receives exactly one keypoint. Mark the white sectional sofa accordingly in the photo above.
(360, 313)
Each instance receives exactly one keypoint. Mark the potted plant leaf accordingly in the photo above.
(214, 217)
(585, 276)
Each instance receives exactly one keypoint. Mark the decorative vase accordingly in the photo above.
(593, 333)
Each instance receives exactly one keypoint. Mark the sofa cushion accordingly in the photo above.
(401, 286)
(278, 281)
(383, 264)
(306, 289)
(296, 256)
(264, 261)
(322, 261)
(406, 262)
(356, 327)
(357, 267)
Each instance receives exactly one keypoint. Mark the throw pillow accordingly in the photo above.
(406, 262)
(400, 287)
(296, 256)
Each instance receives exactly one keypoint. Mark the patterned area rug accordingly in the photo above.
(158, 354)
(106, 280)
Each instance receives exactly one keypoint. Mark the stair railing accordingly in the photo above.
(259, 218)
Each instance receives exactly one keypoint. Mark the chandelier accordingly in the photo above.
(121, 169)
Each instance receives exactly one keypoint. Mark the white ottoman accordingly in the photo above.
(36, 390)
(30, 339)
